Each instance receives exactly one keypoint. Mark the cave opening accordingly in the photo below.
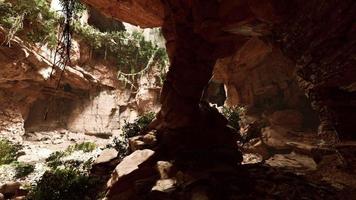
(224, 100)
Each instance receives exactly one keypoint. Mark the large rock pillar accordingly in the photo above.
(187, 124)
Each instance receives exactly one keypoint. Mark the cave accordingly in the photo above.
(285, 70)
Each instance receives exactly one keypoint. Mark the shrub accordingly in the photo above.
(23, 169)
(233, 115)
(120, 145)
(9, 152)
(85, 146)
(139, 125)
(63, 184)
(54, 160)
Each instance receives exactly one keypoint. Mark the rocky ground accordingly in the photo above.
(38, 146)
(274, 155)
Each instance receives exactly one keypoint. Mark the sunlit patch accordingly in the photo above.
(45, 72)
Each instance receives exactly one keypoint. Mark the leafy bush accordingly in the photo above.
(34, 16)
(139, 125)
(23, 169)
(54, 160)
(63, 184)
(120, 145)
(85, 146)
(9, 152)
(34, 22)
(233, 115)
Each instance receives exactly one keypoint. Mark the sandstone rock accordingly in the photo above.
(106, 156)
(276, 137)
(257, 147)
(249, 158)
(146, 13)
(150, 139)
(129, 165)
(135, 174)
(10, 188)
(165, 169)
(164, 185)
(292, 161)
(292, 119)
(20, 198)
(136, 143)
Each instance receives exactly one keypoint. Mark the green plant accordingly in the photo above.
(64, 184)
(54, 160)
(34, 22)
(85, 146)
(133, 129)
(120, 145)
(23, 169)
(31, 19)
(9, 152)
(233, 115)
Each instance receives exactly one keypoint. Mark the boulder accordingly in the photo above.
(133, 167)
(292, 161)
(10, 188)
(292, 119)
(165, 169)
(276, 137)
(164, 185)
(106, 156)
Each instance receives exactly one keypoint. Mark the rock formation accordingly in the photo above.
(198, 32)
(90, 99)
(262, 50)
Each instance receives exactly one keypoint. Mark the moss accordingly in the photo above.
(9, 152)
(23, 169)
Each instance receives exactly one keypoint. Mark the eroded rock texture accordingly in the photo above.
(89, 99)
(320, 37)
(317, 35)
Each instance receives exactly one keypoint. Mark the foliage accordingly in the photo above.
(78, 7)
(133, 129)
(33, 21)
(23, 169)
(9, 152)
(54, 160)
(233, 115)
(120, 145)
(134, 55)
(32, 18)
(61, 184)
(84, 146)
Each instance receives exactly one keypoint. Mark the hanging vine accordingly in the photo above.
(34, 22)
(64, 45)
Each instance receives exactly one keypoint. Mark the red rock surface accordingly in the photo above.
(317, 35)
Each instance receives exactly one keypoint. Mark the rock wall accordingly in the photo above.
(261, 78)
(89, 99)
(317, 35)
